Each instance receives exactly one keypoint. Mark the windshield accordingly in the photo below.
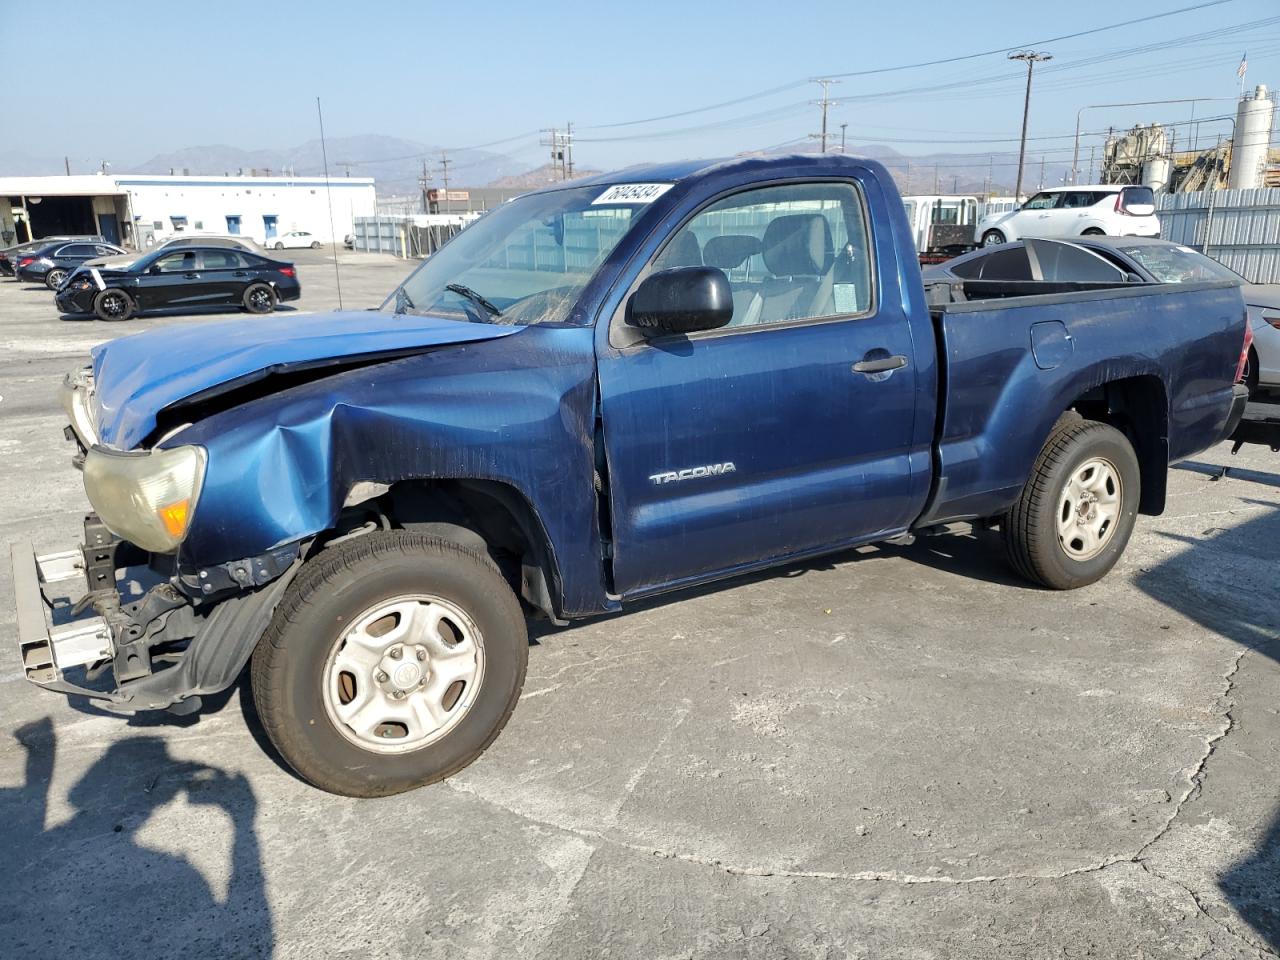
(1176, 264)
(526, 262)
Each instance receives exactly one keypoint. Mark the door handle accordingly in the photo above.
(239, 273)
(192, 276)
(880, 365)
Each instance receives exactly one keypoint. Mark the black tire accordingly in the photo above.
(331, 591)
(315, 244)
(111, 305)
(1094, 232)
(53, 279)
(992, 238)
(259, 298)
(1030, 528)
(279, 246)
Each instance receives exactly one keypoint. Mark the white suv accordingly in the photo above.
(1113, 211)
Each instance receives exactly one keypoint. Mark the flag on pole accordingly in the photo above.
(1244, 65)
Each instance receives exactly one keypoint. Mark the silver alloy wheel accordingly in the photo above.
(992, 238)
(114, 304)
(260, 299)
(404, 675)
(1089, 508)
(54, 278)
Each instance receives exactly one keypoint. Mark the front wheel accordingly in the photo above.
(279, 246)
(1093, 232)
(113, 305)
(393, 661)
(315, 244)
(1078, 508)
(992, 238)
(53, 279)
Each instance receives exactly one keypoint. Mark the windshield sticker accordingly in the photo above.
(632, 193)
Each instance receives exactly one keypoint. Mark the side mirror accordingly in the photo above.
(1131, 277)
(682, 300)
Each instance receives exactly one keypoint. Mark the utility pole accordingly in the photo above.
(825, 103)
(444, 178)
(1031, 58)
(67, 163)
(842, 126)
(935, 178)
(568, 150)
(1040, 186)
(558, 141)
(422, 182)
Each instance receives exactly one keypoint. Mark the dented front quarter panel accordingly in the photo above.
(517, 410)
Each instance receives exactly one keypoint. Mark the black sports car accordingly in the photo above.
(53, 263)
(186, 277)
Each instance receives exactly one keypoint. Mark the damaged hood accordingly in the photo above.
(136, 377)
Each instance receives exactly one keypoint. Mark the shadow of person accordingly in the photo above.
(94, 885)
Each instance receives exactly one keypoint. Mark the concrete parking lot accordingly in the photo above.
(898, 752)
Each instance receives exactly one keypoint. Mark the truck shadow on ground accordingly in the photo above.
(91, 886)
(1210, 584)
(1213, 471)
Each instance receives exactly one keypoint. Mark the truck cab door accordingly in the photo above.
(792, 430)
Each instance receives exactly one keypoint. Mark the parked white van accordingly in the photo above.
(1112, 210)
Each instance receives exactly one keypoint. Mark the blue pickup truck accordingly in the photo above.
(600, 391)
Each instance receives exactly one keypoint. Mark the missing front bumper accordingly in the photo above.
(51, 637)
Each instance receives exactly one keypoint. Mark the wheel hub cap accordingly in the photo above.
(1089, 508)
(404, 674)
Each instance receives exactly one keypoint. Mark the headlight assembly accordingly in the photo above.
(146, 496)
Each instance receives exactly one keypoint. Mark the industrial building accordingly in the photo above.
(141, 209)
(1245, 160)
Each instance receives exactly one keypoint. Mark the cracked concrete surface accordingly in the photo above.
(900, 752)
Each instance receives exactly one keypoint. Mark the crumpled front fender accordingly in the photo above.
(517, 410)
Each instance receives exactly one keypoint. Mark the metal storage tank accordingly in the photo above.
(1155, 173)
(1252, 139)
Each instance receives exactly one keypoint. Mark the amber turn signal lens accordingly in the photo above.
(175, 516)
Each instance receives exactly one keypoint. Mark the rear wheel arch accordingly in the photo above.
(1139, 408)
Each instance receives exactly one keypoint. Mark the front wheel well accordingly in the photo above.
(1138, 408)
(484, 515)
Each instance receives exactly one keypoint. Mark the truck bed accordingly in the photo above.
(1015, 355)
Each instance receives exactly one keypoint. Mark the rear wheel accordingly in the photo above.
(279, 246)
(1078, 508)
(1094, 232)
(393, 661)
(113, 305)
(315, 244)
(992, 238)
(53, 279)
(259, 298)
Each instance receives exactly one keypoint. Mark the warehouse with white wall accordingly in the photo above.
(141, 209)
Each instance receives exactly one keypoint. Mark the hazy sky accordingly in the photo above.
(152, 77)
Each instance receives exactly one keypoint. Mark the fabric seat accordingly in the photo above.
(799, 255)
(683, 251)
(729, 252)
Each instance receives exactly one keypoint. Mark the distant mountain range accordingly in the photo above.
(396, 165)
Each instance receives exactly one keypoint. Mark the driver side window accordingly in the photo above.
(792, 252)
(1041, 201)
(177, 262)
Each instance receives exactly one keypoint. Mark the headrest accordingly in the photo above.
(682, 251)
(798, 245)
(730, 251)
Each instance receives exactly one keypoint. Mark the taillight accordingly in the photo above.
(1272, 321)
(287, 271)
(1120, 209)
(26, 261)
(1244, 351)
